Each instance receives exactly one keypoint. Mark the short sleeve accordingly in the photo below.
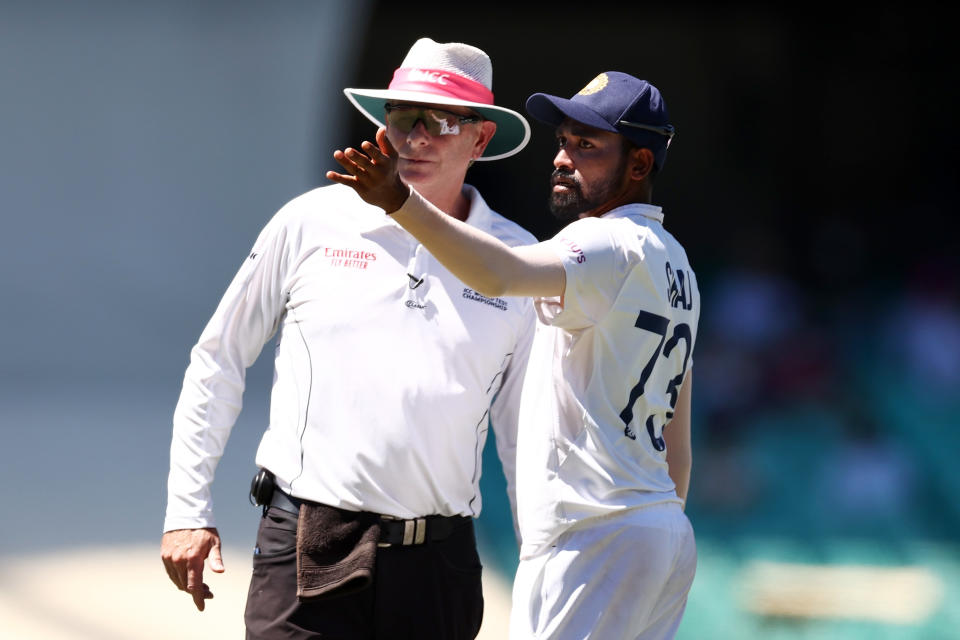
(594, 266)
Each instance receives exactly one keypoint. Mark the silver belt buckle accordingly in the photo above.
(414, 531)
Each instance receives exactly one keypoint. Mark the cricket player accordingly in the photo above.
(603, 453)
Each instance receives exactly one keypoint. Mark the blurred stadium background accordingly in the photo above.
(813, 181)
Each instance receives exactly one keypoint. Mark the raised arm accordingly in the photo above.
(481, 261)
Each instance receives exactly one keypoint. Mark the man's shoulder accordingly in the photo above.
(333, 194)
(327, 204)
(625, 228)
(642, 236)
(590, 228)
(628, 237)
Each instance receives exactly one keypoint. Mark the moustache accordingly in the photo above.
(564, 177)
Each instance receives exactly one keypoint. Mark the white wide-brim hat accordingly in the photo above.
(448, 73)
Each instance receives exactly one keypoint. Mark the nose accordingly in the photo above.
(562, 160)
(418, 135)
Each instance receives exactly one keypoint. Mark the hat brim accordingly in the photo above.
(554, 109)
(513, 130)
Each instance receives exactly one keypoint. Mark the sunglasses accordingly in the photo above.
(404, 118)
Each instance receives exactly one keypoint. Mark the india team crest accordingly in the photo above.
(595, 85)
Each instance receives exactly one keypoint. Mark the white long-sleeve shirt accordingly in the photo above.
(387, 367)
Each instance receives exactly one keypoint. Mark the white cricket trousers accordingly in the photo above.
(624, 576)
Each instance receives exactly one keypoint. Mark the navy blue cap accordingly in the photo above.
(617, 102)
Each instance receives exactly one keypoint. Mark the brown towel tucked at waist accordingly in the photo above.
(336, 550)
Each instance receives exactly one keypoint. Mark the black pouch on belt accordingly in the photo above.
(336, 551)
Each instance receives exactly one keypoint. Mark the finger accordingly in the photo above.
(195, 575)
(216, 560)
(171, 557)
(349, 165)
(180, 568)
(172, 573)
(339, 178)
(200, 595)
(384, 142)
(374, 152)
(358, 158)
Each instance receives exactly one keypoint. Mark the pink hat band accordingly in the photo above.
(441, 83)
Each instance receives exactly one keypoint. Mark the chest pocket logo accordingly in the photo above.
(349, 258)
(498, 303)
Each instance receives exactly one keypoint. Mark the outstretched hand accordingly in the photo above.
(372, 173)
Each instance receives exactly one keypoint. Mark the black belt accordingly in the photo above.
(392, 531)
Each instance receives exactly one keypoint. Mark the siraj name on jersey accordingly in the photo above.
(677, 284)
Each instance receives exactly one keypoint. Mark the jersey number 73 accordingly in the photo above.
(659, 325)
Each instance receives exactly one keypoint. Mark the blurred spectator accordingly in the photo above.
(868, 479)
(923, 330)
(753, 308)
(802, 366)
(749, 310)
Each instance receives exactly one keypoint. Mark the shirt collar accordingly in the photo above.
(636, 209)
(479, 214)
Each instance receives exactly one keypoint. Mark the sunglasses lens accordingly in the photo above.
(403, 119)
(440, 123)
(437, 123)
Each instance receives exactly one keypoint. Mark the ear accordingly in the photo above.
(487, 129)
(640, 163)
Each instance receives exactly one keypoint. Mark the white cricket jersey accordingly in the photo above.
(604, 373)
(387, 367)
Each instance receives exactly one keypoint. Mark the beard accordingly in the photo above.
(568, 205)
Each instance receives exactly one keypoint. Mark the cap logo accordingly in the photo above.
(595, 85)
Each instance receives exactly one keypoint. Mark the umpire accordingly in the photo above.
(388, 371)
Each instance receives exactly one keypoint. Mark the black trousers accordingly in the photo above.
(424, 592)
